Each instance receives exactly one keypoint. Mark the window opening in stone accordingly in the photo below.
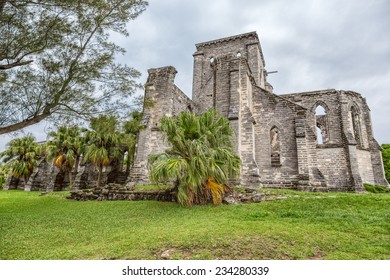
(212, 61)
(321, 126)
(275, 146)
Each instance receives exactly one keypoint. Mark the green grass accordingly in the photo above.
(303, 226)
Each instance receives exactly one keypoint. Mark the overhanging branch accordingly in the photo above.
(25, 123)
(15, 64)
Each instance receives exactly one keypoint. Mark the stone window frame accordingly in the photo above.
(325, 106)
(356, 127)
(279, 127)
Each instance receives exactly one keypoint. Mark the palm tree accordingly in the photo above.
(131, 130)
(65, 148)
(22, 156)
(103, 144)
(201, 160)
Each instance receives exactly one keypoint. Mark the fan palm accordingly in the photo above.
(22, 156)
(131, 130)
(201, 159)
(65, 148)
(104, 144)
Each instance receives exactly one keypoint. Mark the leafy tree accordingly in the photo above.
(103, 143)
(386, 160)
(4, 173)
(65, 148)
(201, 160)
(57, 59)
(22, 156)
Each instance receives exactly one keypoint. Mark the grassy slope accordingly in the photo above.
(304, 226)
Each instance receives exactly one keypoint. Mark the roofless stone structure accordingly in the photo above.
(283, 140)
(319, 140)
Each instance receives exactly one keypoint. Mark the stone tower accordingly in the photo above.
(218, 65)
(225, 72)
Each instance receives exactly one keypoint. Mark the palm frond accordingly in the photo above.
(201, 157)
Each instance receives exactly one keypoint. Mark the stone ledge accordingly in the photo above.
(250, 195)
(122, 193)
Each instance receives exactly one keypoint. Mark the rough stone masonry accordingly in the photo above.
(319, 140)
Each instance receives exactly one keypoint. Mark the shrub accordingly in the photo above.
(4, 172)
(386, 160)
(376, 188)
(201, 159)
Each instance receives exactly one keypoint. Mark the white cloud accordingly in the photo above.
(314, 44)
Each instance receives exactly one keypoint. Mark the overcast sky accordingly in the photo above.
(313, 44)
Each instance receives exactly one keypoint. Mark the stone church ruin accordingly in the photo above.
(319, 140)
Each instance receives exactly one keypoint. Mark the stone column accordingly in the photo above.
(357, 183)
(197, 76)
(7, 183)
(349, 143)
(302, 153)
(160, 90)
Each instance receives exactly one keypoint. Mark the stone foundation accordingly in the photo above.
(119, 192)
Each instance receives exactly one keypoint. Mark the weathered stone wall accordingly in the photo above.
(333, 166)
(365, 166)
(214, 65)
(47, 177)
(13, 183)
(167, 100)
(271, 113)
(348, 126)
(329, 100)
(118, 192)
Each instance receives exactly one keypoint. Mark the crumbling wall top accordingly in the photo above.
(227, 39)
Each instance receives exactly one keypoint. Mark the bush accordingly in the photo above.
(4, 172)
(376, 188)
(386, 160)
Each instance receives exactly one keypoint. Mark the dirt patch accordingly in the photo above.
(318, 255)
(254, 248)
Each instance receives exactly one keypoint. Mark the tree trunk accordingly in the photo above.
(99, 179)
(70, 179)
(76, 165)
(73, 172)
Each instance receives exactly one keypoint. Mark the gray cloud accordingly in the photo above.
(314, 44)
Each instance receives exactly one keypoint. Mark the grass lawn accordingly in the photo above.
(303, 226)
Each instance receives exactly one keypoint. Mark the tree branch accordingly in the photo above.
(15, 64)
(2, 4)
(25, 123)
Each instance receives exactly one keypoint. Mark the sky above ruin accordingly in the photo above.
(313, 44)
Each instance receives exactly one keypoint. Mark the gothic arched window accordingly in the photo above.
(321, 125)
